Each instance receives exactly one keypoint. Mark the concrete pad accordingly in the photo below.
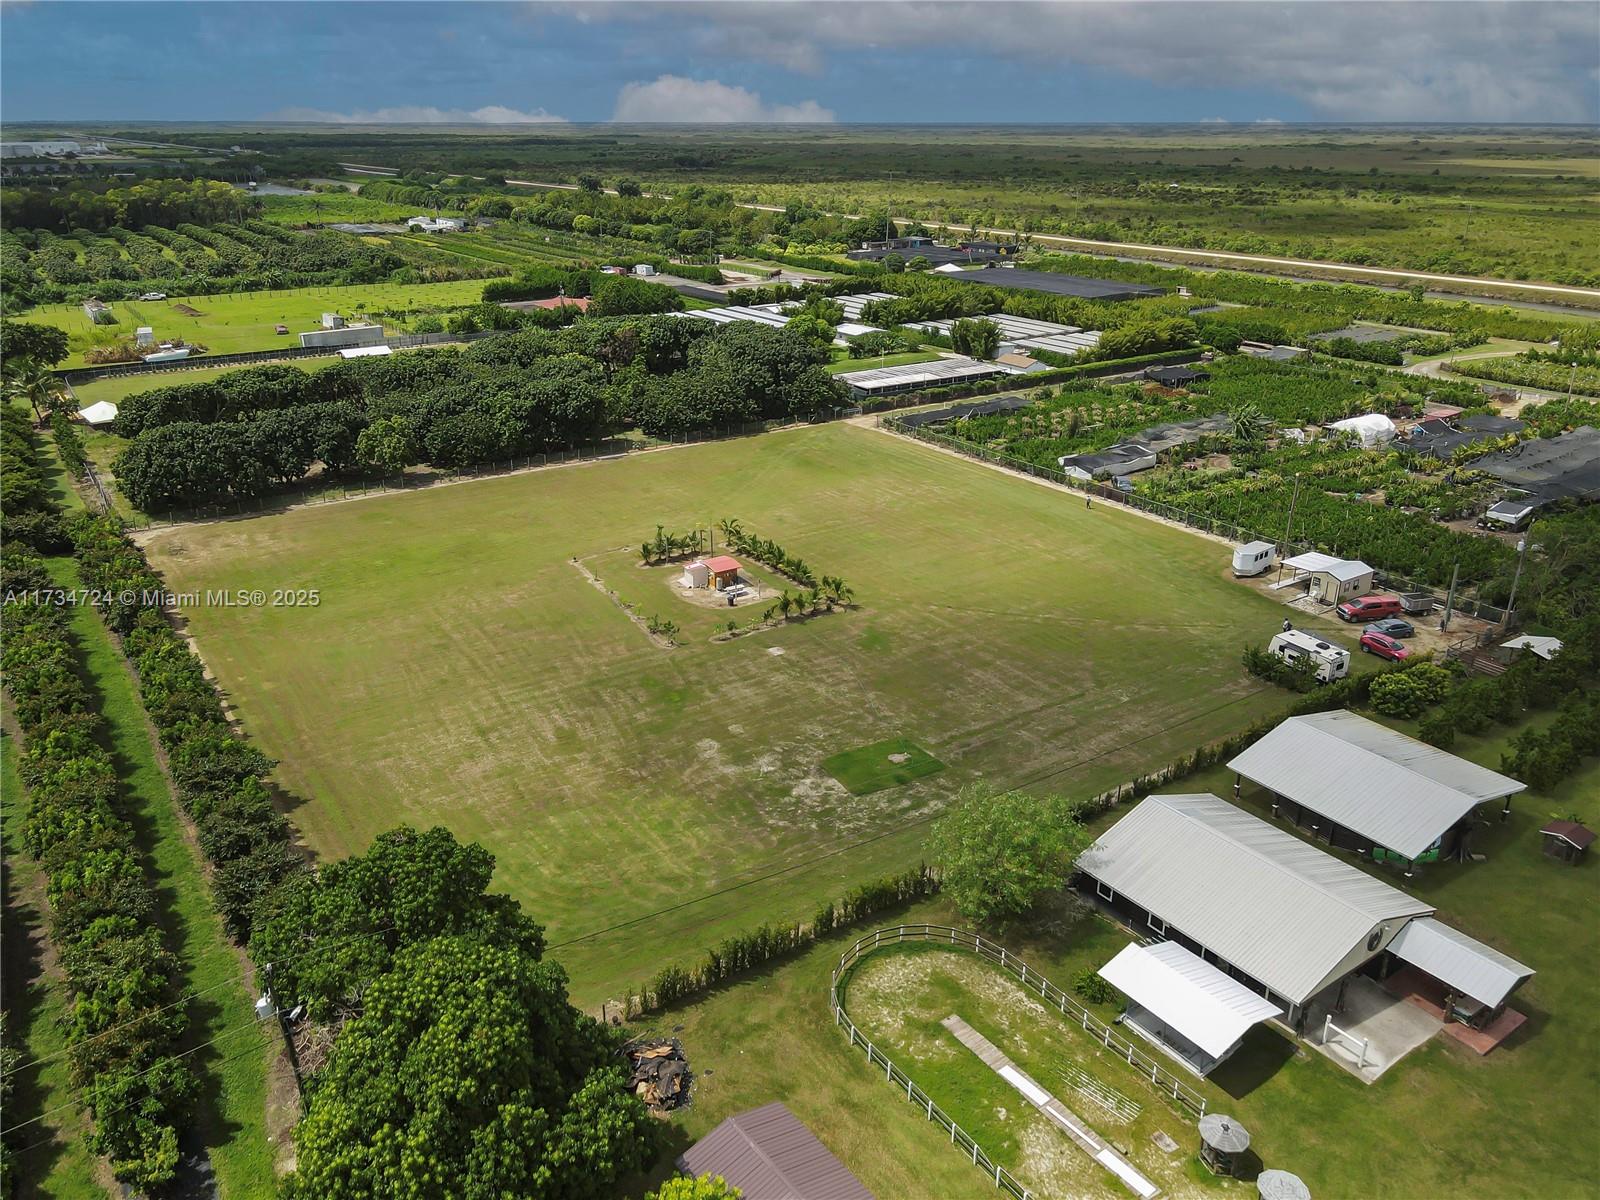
(1391, 1027)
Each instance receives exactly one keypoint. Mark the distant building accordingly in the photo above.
(98, 312)
(1114, 462)
(437, 224)
(1020, 364)
(41, 149)
(350, 335)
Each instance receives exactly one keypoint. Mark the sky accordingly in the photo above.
(856, 61)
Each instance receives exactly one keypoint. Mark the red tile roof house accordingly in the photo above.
(769, 1155)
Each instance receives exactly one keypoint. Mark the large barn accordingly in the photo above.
(1362, 786)
(1262, 907)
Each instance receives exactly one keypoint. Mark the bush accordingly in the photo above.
(1089, 985)
(1297, 676)
(1406, 693)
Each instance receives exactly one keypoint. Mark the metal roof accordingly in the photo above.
(1312, 561)
(1401, 793)
(937, 372)
(1463, 962)
(1545, 647)
(1225, 1133)
(1209, 1008)
(769, 1155)
(1273, 1184)
(1261, 899)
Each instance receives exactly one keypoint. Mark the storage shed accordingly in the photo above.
(724, 571)
(769, 1155)
(1566, 840)
(1358, 785)
(696, 575)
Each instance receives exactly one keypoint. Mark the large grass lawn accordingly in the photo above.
(117, 388)
(462, 670)
(245, 321)
(1434, 1125)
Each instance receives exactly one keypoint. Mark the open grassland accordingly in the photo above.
(1433, 1125)
(246, 321)
(117, 388)
(460, 669)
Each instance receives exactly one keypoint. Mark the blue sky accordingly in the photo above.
(767, 60)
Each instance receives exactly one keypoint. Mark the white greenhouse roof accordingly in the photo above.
(365, 352)
(1463, 962)
(1275, 907)
(1209, 1008)
(1401, 793)
(939, 371)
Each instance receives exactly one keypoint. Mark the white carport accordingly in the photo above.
(1461, 963)
(1183, 1004)
(102, 413)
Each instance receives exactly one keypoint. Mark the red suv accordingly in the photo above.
(1384, 646)
(1370, 608)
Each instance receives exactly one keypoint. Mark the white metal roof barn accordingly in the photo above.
(1403, 794)
(1281, 911)
(909, 376)
(1174, 992)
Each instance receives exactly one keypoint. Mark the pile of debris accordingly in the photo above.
(660, 1074)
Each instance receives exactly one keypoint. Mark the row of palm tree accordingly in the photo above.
(832, 592)
(667, 546)
(766, 551)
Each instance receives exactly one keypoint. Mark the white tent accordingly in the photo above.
(102, 413)
(366, 351)
(1371, 429)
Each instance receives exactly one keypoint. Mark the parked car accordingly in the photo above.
(1370, 608)
(1391, 627)
(154, 296)
(1384, 646)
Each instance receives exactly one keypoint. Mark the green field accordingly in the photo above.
(1433, 1125)
(840, 365)
(881, 765)
(245, 321)
(461, 670)
(117, 388)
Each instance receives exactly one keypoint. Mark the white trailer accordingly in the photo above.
(1253, 558)
(1332, 661)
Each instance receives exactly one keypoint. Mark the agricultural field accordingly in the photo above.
(461, 669)
(117, 388)
(246, 321)
(1342, 1136)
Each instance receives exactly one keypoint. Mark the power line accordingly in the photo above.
(185, 998)
(901, 828)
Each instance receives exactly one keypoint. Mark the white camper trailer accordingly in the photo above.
(1294, 645)
(1252, 558)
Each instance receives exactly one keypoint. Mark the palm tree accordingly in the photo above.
(786, 604)
(1246, 425)
(28, 380)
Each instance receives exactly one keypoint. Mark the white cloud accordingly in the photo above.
(416, 114)
(677, 100)
(1452, 60)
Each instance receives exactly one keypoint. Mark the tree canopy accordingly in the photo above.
(999, 851)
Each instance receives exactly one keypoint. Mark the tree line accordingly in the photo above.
(248, 432)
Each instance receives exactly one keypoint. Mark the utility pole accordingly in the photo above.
(1450, 598)
(1293, 500)
(1511, 604)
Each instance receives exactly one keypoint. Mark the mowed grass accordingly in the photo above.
(461, 670)
(118, 388)
(881, 765)
(246, 321)
(1434, 1125)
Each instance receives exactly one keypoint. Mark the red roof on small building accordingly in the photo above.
(722, 564)
(1570, 831)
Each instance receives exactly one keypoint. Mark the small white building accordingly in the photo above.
(695, 575)
(437, 224)
(1329, 579)
(643, 269)
(381, 351)
(332, 321)
(1545, 647)
(145, 335)
(102, 413)
(350, 335)
(1371, 430)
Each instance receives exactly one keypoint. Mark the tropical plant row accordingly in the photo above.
(126, 1020)
(745, 951)
(766, 551)
(220, 779)
(1526, 370)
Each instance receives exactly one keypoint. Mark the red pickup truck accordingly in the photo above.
(1370, 608)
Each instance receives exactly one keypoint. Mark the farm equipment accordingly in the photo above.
(1417, 603)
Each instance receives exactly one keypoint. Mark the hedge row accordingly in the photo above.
(746, 951)
(28, 514)
(220, 779)
(125, 1019)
